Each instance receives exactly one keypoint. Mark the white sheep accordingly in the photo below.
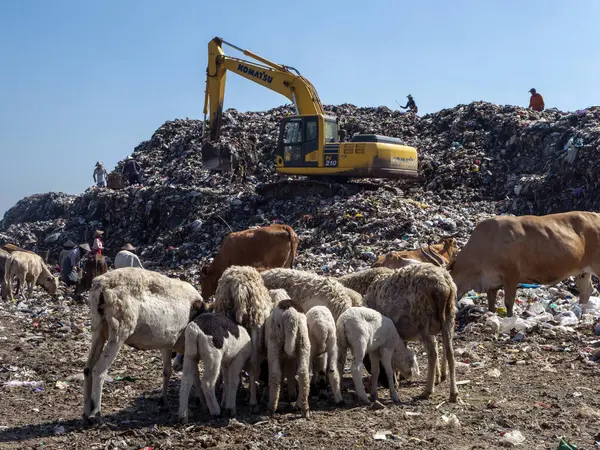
(420, 299)
(222, 346)
(361, 281)
(242, 296)
(310, 289)
(288, 348)
(29, 267)
(140, 308)
(323, 350)
(365, 331)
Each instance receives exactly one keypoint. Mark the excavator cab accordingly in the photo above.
(299, 138)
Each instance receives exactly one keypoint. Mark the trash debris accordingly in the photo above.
(513, 437)
(565, 445)
(448, 421)
(61, 385)
(19, 383)
(494, 373)
(381, 435)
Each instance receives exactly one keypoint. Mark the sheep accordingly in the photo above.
(420, 299)
(140, 308)
(309, 289)
(242, 296)
(288, 344)
(324, 349)
(361, 281)
(29, 267)
(367, 332)
(221, 345)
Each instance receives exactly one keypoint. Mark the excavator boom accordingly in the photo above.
(277, 77)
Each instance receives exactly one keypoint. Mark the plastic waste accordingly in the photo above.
(565, 445)
(567, 318)
(514, 437)
(514, 322)
(17, 383)
(448, 421)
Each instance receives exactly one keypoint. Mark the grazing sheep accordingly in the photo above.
(288, 345)
(29, 267)
(361, 281)
(242, 296)
(140, 308)
(309, 289)
(365, 331)
(221, 345)
(420, 300)
(323, 350)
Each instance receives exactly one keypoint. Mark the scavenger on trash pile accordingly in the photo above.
(127, 258)
(132, 170)
(411, 105)
(100, 175)
(97, 244)
(69, 273)
(536, 101)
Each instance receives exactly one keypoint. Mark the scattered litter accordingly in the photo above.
(513, 437)
(59, 429)
(19, 383)
(448, 421)
(381, 435)
(61, 385)
(494, 373)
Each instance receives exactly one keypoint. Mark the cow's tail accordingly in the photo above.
(290, 329)
(7, 276)
(293, 237)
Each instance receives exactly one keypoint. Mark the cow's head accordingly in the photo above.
(50, 284)
(450, 247)
(208, 282)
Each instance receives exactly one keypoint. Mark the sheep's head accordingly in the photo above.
(405, 361)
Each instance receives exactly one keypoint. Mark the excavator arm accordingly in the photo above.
(277, 77)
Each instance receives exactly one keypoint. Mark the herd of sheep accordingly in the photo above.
(299, 323)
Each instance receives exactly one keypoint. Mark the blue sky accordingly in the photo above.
(82, 81)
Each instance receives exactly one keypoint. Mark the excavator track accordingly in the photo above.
(289, 189)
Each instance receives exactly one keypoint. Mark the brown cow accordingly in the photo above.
(270, 247)
(95, 265)
(439, 254)
(506, 251)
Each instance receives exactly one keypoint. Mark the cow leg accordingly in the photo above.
(100, 370)
(491, 298)
(510, 292)
(93, 357)
(584, 283)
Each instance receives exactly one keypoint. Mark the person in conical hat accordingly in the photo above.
(128, 247)
(67, 247)
(97, 244)
(126, 258)
(100, 175)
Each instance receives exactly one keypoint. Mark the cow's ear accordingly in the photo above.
(204, 269)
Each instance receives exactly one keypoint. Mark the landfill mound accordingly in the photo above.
(475, 160)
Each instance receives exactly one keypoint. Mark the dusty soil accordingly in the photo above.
(543, 386)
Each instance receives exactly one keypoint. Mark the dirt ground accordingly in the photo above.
(542, 386)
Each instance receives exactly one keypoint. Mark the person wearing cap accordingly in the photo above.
(100, 175)
(97, 245)
(68, 271)
(411, 105)
(67, 247)
(126, 258)
(536, 101)
(132, 169)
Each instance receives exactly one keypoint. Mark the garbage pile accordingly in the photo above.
(476, 160)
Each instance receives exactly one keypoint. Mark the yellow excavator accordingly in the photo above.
(308, 142)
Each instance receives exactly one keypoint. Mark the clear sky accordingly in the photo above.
(82, 81)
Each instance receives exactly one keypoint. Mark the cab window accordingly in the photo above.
(292, 132)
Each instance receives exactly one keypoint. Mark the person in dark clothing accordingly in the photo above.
(411, 105)
(132, 170)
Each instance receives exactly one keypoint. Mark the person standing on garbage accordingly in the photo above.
(67, 247)
(100, 175)
(536, 101)
(411, 105)
(68, 271)
(97, 244)
(132, 170)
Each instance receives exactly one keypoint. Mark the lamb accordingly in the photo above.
(29, 267)
(366, 331)
(309, 289)
(288, 345)
(242, 296)
(420, 300)
(324, 350)
(140, 308)
(221, 345)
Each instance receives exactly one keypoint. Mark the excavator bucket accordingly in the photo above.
(217, 156)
